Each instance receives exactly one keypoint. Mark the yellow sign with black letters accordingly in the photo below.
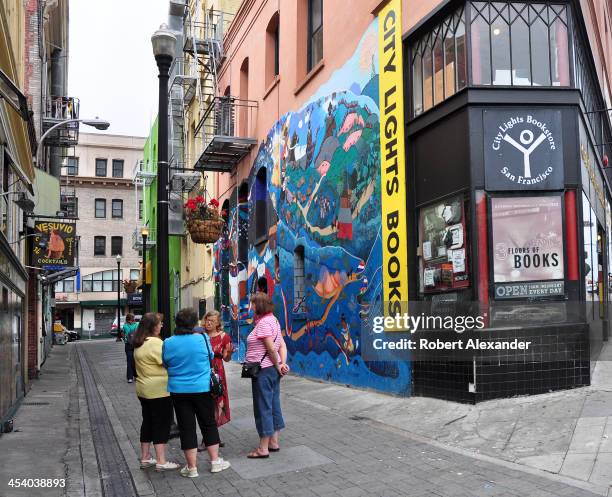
(392, 160)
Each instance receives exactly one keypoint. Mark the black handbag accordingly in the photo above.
(216, 385)
(252, 369)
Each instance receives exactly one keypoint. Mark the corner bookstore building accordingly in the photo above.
(508, 138)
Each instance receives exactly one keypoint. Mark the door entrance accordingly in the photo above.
(103, 320)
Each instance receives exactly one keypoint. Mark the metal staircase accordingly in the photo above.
(195, 76)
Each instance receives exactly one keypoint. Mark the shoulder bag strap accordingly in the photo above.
(266, 353)
(209, 353)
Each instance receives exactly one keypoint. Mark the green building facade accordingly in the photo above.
(150, 219)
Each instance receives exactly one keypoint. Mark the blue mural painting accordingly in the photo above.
(315, 190)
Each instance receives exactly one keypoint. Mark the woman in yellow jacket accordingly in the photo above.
(152, 391)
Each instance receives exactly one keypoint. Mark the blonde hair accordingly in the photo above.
(215, 314)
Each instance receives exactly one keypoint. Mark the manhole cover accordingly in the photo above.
(35, 403)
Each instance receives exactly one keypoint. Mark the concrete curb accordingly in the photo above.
(142, 484)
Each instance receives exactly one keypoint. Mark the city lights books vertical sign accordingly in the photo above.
(392, 160)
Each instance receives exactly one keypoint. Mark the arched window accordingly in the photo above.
(261, 198)
(244, 95)
(272, 49)
(243, 216)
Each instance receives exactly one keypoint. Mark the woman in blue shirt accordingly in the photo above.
(187, 356)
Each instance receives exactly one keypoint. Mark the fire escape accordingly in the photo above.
(221, 141)
(61, 143)
(143, 176)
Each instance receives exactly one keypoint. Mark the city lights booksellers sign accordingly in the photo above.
(54, 245)
(527, 242)
(523, 150)
(393, 174)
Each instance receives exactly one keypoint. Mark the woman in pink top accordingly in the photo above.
(265, 344)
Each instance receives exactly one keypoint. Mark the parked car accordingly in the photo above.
(72, 335)
(113, 331)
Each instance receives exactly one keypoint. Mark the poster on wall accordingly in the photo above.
(54, 244)
(443, 246)
(527, 244)
(523, 149)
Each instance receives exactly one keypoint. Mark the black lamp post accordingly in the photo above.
(118, 298)
(144, 231)
(164, 46)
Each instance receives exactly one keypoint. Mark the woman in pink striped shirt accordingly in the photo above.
(265, 344)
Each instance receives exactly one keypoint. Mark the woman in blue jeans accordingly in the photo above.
(265, 344)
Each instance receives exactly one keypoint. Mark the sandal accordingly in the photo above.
(272, 449)
(257, 455)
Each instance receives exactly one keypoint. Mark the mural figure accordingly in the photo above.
(322, 195)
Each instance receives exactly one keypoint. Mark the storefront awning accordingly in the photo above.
(62, 275)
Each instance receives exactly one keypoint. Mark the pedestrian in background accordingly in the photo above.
(222, 348)
(187, 356)
(128, 328)
(265, 345)
(152, 392)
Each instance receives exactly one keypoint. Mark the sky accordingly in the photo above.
(111, 65)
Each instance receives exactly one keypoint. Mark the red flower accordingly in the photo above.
(191, 204)
(199, 199)
(214, 202)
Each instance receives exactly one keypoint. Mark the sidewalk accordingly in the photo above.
(338, 441)
(568, 433)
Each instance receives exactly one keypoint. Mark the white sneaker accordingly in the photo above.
(219, 465)
(147, 463)
(189, 472)
(167, 466)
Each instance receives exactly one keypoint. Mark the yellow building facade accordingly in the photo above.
(197, 282)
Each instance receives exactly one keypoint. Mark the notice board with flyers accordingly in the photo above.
(443, 246)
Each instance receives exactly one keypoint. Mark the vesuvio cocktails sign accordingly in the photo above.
(54, 244)
(523, 150)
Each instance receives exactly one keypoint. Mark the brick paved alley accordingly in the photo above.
(325, 452)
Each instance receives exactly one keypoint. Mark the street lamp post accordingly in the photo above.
(118, 298)
(164, 46)
(96, 123)
(144, 231)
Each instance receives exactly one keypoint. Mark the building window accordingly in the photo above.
(134, 274)
(101, 167)
(117, 168)
(65, 286)
(72, 207)
(140, 209)
(99, 245)
(438, 63)
(100, 208)
(315, 33)
(117, 208)
(512, 44)
(519, 44)
(72, 166)
(103, 281)
(299, 291)
(116, 245)
(272, 49)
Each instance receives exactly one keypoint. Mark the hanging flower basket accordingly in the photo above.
(203, 221)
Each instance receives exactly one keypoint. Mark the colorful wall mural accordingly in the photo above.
(314, 192)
